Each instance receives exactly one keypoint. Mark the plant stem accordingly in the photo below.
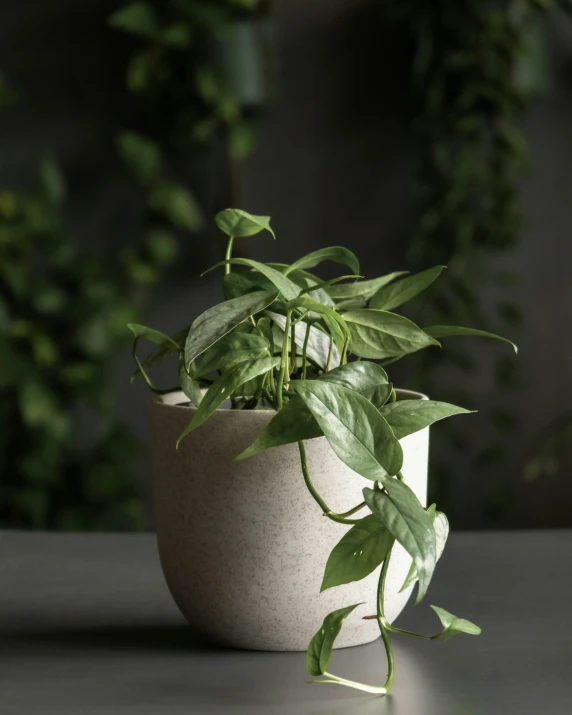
(284, 362)
(344, 359)
(382, 622)
(292, 348)
(228, 254)
(304, 351)
(303, 461)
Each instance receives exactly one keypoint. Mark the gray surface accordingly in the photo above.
(87, 626)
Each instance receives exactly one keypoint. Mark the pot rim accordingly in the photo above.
(172, 400)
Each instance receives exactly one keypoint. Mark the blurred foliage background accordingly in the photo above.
(198, 75)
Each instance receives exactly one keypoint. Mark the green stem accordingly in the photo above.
(228, 254)
(382, 623)
(292, 349)
(284, 362)
(304, 351)
(311, 488)
(344, 359)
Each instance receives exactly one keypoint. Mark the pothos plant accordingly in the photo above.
(315, 351)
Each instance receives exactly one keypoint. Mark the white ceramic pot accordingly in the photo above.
(243, 545)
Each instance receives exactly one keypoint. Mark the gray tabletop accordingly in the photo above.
(87, 626)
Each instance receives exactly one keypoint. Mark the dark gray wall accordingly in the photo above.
(334, 164)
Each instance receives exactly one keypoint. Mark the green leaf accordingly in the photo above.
(142, 155)
(189, 385)
(377, 334)
(264, 326)
(448, 331)
(177, 204)
(391, 296)
(441, 527)
(338, 254)
(236, 284)
(320, 649)
(306, 280)
(219, 320)
(318, 347)
(295, 423)
(364, 289)
(359, 552)
(356, 431)
(153, 336)
(399, 510)
(409, 416)
(367, 378)
(232, 349)
(237, 223)
(286, 287)
(178, 35)
(137, 18)
(453, 625)
(223, 388)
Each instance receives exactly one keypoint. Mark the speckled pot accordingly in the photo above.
(242, 544)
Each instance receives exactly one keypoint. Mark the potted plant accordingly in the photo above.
(289, 473)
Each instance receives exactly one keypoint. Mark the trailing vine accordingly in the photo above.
(470, 87)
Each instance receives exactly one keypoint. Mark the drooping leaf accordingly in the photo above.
(396, 294)
(320, 649)
(287, 288)
(448, 331)
(378, 334)
(453, 625)
(226, 384)
(363, 289)
(233, 348)
(238, 223)
(189, 385)
(367, 378)
(359, 552)
(409, 416)
(441, 527)
(318, 347)
(399, 510)
(236, 284)
(163, 350)
(293, 423)
(153, 336)
(219, 320)
(338, 254)
(306, 280)
(356, 431)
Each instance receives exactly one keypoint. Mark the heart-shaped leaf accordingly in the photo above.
(399, 510)
(359, 552)
(363, 289)
(448, 331)
(219, 320)
(378, 334)
(394, 295)
(356, 431)
(409, 416)
(233, 348)
(320, 649)
(441, 527)
(338, 254)
(223, 388)
(238, 223)
(453, 625)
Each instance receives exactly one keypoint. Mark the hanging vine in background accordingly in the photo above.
(63, 312)
(197, 68)
(472, 78)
